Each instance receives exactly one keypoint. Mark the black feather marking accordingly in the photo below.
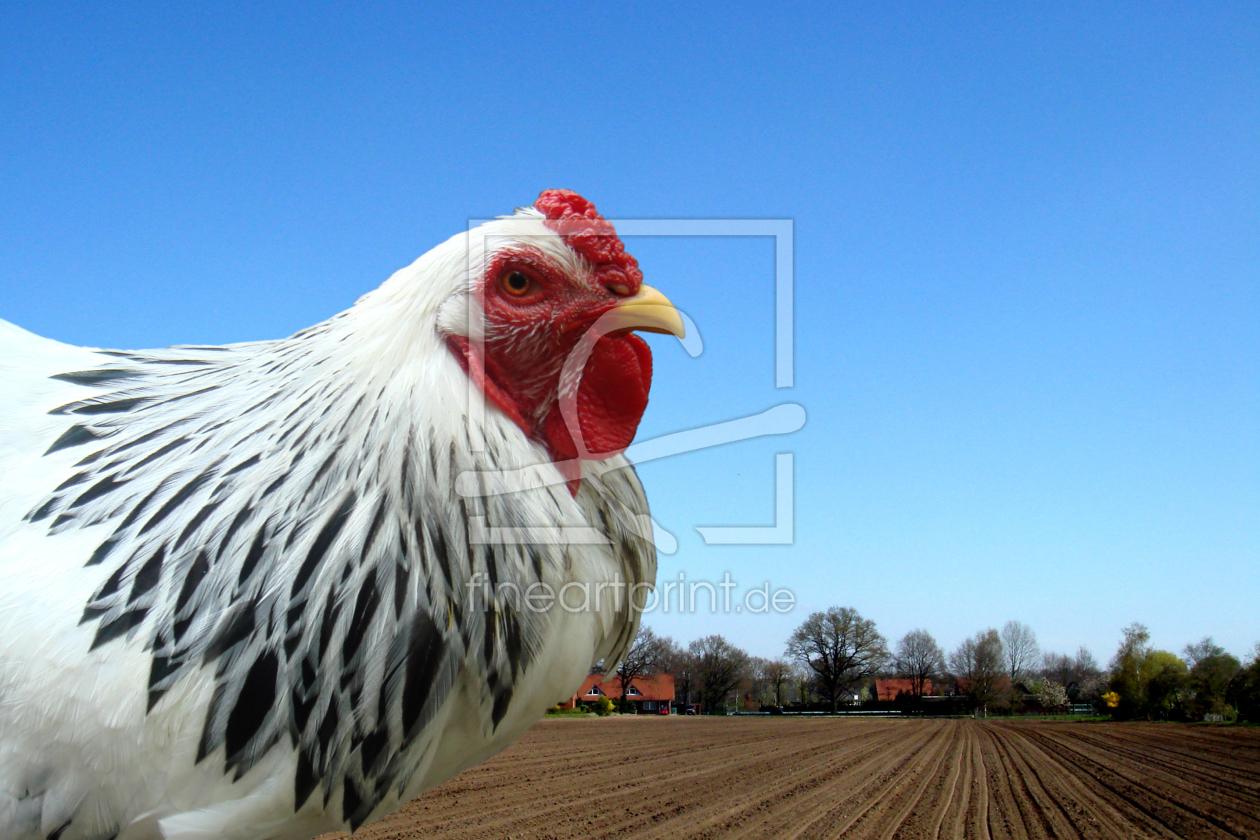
(304, 781)
(491, 554)
(490, 636)
(323, 468)
(181, 496)
(502, 698)
(198, 392)
(100, 488)
(74, 436)
(351, 804)
(535, 561)
(44, 510)
(239, 520)
(144, 438)
(77, 478)
(261, 404)
(273, 486)
(331, 610)
(295, 533)
(90, 459)
(423, 659)
(293, 615)
(402, 576)
(92, 613)
(161, 668)
(327, 728)
(364, 610)
(243, 465)
(301, 406)
(195, 523)
(256, 549)
(233, 631)
(99, 376)
(148, 576)
(140, 508)
(354, 409)
(196, 574)
(440, 552)
(59, 521)
(56, 832)
(153, 456)
(302, 709)
(371, 747)
(512, 641)
(103, 550)
(377, 519)
(113, 407)
(117, 627)
(114, 581)
(323, 541)
(257, 696)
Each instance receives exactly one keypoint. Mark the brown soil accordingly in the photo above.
(650, 777)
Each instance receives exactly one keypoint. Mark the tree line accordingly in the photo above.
(835, 656)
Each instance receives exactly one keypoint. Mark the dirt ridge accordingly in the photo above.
(883, 779)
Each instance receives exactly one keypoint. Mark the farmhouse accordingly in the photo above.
(649, 693)
(890, 688)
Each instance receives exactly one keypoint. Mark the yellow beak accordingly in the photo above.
(648, 310)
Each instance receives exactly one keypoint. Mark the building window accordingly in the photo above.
(634, 692)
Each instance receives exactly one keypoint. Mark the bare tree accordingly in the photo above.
(1205, 649)
(919, 658)
(645, 656)
(841, 647)
(718, 666)
(978, 664)
(1079, 674)
(1019, 648)
(1086, 665)
(777, 674)
(683, 666)
(1057, 667)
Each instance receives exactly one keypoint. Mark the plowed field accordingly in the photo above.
(650, 777)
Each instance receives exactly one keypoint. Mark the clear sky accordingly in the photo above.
(1027, 258)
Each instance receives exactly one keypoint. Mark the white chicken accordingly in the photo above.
(240, 596)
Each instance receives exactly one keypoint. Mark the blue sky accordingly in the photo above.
(1027, 248)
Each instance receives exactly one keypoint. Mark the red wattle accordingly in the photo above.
(611, 400)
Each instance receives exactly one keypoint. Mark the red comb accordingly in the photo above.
(591, 236)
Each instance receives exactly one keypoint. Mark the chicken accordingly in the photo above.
(240, 595)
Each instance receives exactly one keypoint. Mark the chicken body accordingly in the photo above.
(240, 595)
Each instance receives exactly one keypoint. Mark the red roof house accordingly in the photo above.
(648, 692)
(889, 689)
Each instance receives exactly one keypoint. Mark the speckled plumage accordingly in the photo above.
(238, 584)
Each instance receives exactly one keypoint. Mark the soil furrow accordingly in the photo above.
(868, 779)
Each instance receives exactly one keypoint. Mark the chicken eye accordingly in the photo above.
(516, 283)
